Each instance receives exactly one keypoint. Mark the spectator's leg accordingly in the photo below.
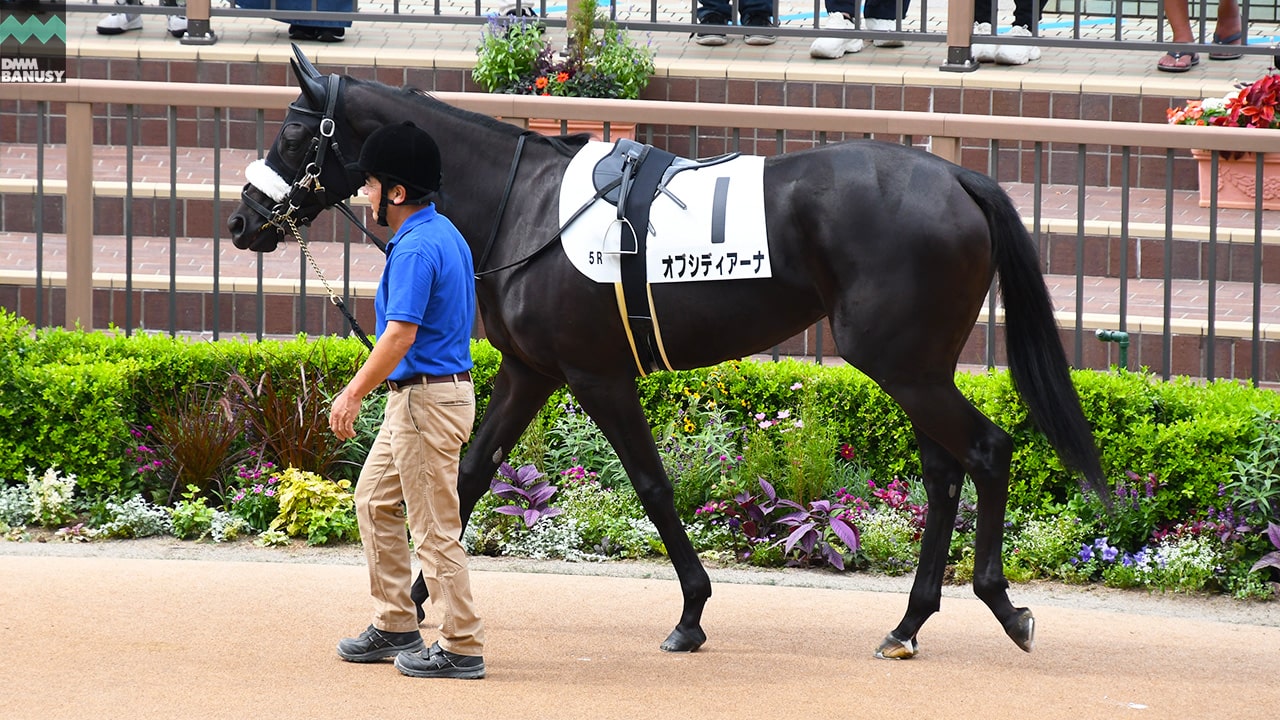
(884, 16)
(759, 14)
(1179, 18)
(1025, 14)
(713, 14)
(840, 14)
(176, 24)
(1024, 20)
(984, 23)
(1229, 30)
(121, 22)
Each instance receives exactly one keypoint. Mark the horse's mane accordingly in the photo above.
(566, 144)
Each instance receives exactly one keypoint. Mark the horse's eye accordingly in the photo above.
(293, 140)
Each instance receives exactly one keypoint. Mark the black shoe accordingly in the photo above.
(760, 21)
(330, 35)
(436, 662)
(374, 644)
(302, 32)
(708, 37)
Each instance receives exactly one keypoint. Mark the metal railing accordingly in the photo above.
(1226, 246)
(1081, 25)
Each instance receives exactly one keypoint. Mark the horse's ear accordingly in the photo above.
(309, 79)
(303, 64)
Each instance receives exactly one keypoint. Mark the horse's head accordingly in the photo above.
(305, 170)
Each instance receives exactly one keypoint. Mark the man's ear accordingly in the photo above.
(391, 195)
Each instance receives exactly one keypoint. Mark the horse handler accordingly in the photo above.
(425, 310)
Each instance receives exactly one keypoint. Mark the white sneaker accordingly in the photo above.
(118, 23)
(833, 48)
(883, 26)
(1017, 54)
(177, 25)
(983, 53)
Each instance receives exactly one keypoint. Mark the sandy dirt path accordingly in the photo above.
(88, 633)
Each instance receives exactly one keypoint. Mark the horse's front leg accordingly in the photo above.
(942, 478)
(614, 406)
(518, 394)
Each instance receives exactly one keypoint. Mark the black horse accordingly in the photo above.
(895, 246)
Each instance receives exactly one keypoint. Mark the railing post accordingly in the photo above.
(79, 216)
(198, 30)
(947, 148)
(959, 33)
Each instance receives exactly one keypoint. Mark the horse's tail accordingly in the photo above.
(1037, 361)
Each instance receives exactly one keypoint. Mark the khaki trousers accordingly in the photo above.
(413, 467)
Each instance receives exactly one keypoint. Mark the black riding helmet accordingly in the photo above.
(402, 154)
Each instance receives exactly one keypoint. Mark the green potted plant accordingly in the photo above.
(601, 60)
(1254, 105)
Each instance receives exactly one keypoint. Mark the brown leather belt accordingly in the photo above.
(464, 376)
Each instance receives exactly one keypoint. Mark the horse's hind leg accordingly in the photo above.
(518, 394)
(985, 452)
(616, 409)
(942, 479)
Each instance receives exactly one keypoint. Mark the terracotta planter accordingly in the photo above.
(1236, 180)
(596, 129)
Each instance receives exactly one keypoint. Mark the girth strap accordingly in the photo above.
(641, 178)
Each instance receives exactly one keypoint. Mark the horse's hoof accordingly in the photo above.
(681, 641)
(894, 649)
(1022, 628)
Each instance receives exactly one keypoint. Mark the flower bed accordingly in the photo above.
(1193, 467)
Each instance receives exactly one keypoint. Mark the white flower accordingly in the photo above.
(1216, 103)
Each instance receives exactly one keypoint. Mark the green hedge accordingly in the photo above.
(69, 398)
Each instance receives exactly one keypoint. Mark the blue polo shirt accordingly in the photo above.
(429, 281)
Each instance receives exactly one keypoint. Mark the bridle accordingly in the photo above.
(287, 213)
(324, 141)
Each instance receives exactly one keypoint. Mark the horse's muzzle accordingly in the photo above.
(249, 229)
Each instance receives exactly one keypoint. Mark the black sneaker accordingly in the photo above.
(760, 21)
(708, 37)
(302, 32)
(436, 662)
(374, 644)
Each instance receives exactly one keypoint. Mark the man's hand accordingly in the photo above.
(342, 416)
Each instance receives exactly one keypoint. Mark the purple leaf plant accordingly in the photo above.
(811, 529)
(1270, 559)
(528, 498)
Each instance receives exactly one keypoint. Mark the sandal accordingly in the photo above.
(1232, 40)
(1193, 59)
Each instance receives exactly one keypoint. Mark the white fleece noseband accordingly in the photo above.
(266, 180)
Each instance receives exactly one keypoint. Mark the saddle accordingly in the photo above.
(631, 177)
(610, 173)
